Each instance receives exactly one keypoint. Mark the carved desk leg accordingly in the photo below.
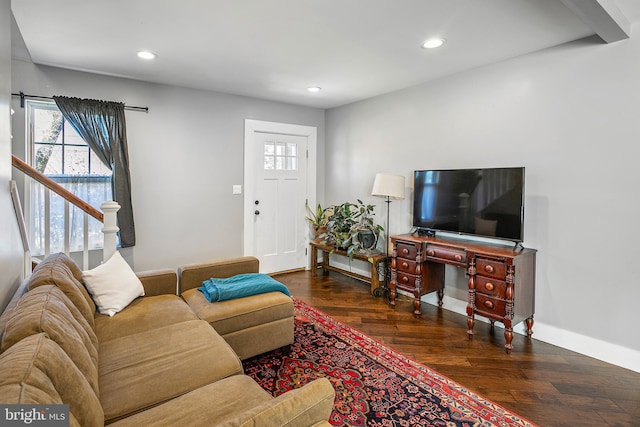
(417, 289)
(394, 278)
(472, 297)
(440, 297)
(508, 317)
(417, 302)
(529, 327)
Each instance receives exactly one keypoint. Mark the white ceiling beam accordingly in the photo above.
(603, 16)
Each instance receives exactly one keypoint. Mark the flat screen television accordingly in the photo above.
(481, 202)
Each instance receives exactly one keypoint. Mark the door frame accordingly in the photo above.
(253, 127)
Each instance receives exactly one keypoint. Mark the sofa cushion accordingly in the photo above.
(251, 341)
(304, 406)
(55, 292)
(143, 314)
(113, 285)
(192, 276)
(44, 310)
(56, 270)
(209, 405)
(240, 401)
(159, 282)
(242, 313)
(37, 371)
(142, 370)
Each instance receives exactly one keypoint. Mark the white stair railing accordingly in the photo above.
(107, 217)
(110, 229)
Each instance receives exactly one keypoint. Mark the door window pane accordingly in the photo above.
(280, 156)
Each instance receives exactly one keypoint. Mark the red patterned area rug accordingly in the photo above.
(375, 385)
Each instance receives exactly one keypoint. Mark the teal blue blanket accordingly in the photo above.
(241, 285)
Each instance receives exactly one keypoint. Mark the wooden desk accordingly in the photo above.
(501, 279)
(373, 259)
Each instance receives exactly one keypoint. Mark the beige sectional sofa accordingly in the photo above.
(156, 362)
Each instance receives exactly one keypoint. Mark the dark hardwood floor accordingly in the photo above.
(546, 384)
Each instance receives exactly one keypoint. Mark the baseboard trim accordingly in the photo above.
(607, 352)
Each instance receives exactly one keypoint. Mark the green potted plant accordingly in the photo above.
(318, 219)
(364, 234)
(351, 228)
(339, 225)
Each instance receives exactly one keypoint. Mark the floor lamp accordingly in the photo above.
(389, 186)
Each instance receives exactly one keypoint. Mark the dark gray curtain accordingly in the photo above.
(101, 124)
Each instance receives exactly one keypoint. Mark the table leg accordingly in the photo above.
(325, 262)
(375, 279)
(417, 303)
(529, 327)
(472, 298)
(314, 260)
(508, 335)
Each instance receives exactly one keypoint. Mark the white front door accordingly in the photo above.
(276, 189)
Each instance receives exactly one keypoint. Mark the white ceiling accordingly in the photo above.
(275, 49)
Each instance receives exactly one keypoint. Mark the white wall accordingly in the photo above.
(185, 156)
(11, 251)
(571, 116)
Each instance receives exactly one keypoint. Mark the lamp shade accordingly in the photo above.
(388, 185)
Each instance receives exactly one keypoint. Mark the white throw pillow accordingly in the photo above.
(113, 285)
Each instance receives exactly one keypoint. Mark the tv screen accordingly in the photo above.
(483, 202)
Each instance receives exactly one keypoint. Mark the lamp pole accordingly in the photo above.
(389, 186)
(387, 269)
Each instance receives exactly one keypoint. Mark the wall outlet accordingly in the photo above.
(237, 189)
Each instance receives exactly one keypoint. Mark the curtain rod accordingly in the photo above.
(22, 97)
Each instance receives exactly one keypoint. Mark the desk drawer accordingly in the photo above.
(491, 268)
(407, 281)
(493, 287)
(406, 250)
(447, 254)
(405, 266)
(490, 305)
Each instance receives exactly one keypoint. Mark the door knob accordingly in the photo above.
(257, 212)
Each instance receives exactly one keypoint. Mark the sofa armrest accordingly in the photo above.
(191, 276)
(159, 282)
(306, 406)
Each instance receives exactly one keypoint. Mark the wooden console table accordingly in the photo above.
(501, 279)
(373, 259)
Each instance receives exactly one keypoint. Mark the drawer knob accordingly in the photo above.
(405, 251)
(431, 252)
(488, 286)
(488, 304)
(405, 279)
(405, 265)
(458, 257)
(488, 268)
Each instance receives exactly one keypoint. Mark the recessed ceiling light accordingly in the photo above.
(314, 89)
(145, 54)
(433, 43)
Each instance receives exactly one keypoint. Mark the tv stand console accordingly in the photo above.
(501, 279)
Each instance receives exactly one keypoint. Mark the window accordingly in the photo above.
(282, 156)
(61, 154)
